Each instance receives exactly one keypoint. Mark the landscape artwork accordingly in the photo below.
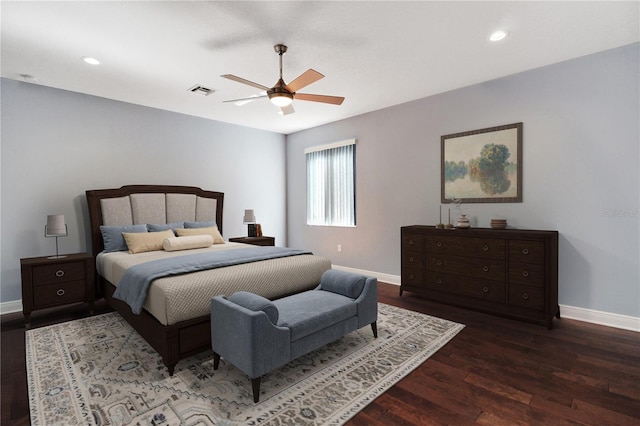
(482, 166)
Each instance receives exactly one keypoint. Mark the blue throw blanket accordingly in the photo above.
(135, 282)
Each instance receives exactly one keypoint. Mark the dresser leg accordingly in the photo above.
(400, 291)
(27, 320)
(558, 312)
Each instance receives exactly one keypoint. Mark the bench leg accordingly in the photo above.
(216, 361)
(255, 385)
(374, 328)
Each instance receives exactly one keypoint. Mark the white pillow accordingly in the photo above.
(187, 243)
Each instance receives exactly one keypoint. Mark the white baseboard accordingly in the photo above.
(624, 322)
(609, 319)
(11, 307)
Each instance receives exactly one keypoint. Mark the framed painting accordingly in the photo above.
(482, 166)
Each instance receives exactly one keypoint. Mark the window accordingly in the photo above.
(331, 196)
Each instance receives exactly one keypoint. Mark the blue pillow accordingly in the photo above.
(112, 236)
(203, 224)
(255, 303)
(164, 226)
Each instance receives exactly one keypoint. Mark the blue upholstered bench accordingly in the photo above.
(257, 335)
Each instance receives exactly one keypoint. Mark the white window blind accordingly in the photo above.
(331, 199)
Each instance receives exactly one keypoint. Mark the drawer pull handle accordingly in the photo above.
(485, 289)
(525, 251)
(439, 244)
(439, 262)
(411, 276)
(410, 258)
(485, 268)
(439, 281)
(525, 273)
(485, 248)
(60, 292)
(59, 273)
(525, 296)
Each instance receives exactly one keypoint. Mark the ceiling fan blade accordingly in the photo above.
(286, 110)
(244, 81)
(245, 100)
(335, 100)
(304, 79)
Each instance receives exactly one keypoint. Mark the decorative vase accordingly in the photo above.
(463, 222)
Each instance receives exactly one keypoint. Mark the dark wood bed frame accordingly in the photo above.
(172, 342)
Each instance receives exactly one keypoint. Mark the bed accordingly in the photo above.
(175, 318)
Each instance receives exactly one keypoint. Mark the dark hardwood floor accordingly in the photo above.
(496, 371)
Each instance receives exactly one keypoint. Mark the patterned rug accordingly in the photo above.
(99, 371)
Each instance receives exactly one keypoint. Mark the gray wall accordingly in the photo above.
(57, 144)
(580, 165)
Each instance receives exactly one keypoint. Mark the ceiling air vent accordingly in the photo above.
(201, 90)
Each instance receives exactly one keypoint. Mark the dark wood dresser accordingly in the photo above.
(507, 272)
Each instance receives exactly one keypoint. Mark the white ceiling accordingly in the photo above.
(376, 54)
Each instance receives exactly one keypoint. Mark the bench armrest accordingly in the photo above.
(247, 339)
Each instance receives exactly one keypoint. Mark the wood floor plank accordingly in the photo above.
(498, 388)
(598, 414)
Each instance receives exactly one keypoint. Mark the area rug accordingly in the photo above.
(99, 371)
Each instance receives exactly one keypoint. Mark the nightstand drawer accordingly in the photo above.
(58, 273)
(58, 294)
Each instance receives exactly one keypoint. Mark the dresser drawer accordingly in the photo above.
(412, 277)
(526, 251)
(413, 242)
(526, 274)
(412, 259)
(465, 246)
(526, 297)
(489, 269)
(58, 273)
(58, 294)
(468, 287)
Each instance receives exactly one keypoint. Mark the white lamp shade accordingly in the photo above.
(56, 225)
(249, 217)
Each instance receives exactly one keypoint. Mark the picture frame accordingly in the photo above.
(482, 166)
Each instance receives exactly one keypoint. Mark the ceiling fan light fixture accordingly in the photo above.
(281, 99)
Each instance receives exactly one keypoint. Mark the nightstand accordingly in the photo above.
(256, 241)
(55, 282)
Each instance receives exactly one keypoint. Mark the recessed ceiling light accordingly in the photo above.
(90, 60)
(498, 35)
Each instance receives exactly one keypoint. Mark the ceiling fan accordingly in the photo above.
(282, 94)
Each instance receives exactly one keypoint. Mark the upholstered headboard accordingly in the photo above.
(156, 204)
